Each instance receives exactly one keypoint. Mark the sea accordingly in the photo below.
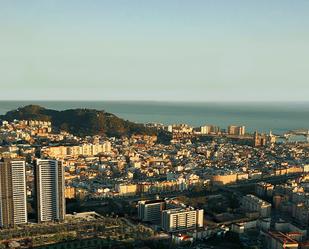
(278, 117)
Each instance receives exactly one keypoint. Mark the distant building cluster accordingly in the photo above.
(209, 129)
(252, 181)
(236, 130)
(77, 150)
(174, 220)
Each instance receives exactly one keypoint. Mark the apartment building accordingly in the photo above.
(251, 203)
(73, 151)
(150, 211)
(13, 203)
(236, 130)
(49, 181)
(181, 219)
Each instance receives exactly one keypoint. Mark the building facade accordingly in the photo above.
(180, 219)
(279, 240)
(251, 203)
(150, 211)
(74, 151)
(236, 130)
(50, 199)
(13, 202)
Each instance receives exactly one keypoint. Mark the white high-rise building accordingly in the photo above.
(13, 202)
(49, 177)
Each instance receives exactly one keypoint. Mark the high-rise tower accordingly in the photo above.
(13, 199)
(49, 182)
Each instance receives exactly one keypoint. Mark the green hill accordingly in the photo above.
(80, 122)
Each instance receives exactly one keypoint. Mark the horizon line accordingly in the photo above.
(158, 101)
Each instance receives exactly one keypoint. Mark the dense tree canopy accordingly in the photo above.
(80, 122)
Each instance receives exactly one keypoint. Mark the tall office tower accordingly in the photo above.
(49, 181)
(13, 200)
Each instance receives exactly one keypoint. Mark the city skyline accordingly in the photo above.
(154, 124)
(162, 51)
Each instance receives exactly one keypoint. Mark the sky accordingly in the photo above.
(162, 50)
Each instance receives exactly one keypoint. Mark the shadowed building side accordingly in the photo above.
(13, 202)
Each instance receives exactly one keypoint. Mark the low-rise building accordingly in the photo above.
(279, 240)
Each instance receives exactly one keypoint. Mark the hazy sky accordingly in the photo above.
(192, 50)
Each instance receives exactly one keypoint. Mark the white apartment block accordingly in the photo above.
(180, 219)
